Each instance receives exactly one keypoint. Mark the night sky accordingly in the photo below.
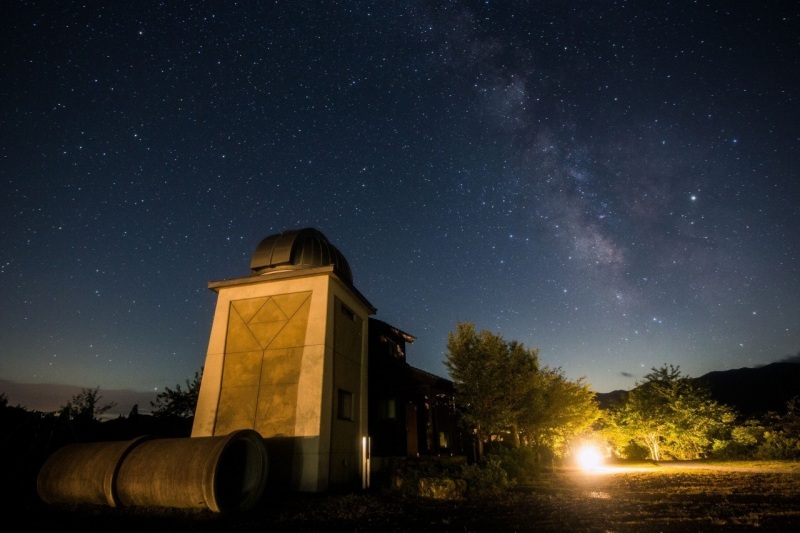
(614, 183)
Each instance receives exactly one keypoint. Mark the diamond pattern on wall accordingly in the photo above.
(258, 327)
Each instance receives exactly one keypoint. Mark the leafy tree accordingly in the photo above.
(492, 379)
(503, 393)
(560, 411)
(742, 442)
(782, 437)
(178, 403)
(669, 414)
(85, 406)
(773, 436)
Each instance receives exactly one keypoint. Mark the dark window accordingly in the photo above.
(346, 311)
(345, 405)
(388, 409)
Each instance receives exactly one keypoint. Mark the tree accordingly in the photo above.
(492, 380)
(670, 415)
(781, 439)
(85, 406)
(178, 403)
(560, 411)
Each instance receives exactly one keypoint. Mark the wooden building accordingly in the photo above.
(411, 412)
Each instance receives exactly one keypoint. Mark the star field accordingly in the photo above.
(613, 183)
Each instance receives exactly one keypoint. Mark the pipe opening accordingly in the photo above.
(240, 475)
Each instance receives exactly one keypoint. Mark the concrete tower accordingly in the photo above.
(287, 357)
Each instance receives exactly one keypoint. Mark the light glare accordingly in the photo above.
(589, 458)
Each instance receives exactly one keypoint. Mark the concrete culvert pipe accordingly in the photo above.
(219, 473)
(84, 473)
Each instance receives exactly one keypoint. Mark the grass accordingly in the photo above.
(679, 496)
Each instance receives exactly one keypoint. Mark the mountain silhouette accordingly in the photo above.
(750, 391)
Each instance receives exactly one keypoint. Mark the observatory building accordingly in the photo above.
(287, 357)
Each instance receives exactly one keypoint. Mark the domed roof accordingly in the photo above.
(298, 249)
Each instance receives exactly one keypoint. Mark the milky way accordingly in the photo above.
(613, 183)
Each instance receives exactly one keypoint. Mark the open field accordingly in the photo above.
(691, 496)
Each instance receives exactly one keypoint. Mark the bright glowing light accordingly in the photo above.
(590, 458)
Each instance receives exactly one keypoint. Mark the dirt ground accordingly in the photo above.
(665, 497)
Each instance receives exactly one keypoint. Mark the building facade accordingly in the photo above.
(287, 357)
(296, 355)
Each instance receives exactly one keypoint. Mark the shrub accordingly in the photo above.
(487, 478)
(409, 472)
(520, 464)
(634, 452)
(779, 445)
(742, 444)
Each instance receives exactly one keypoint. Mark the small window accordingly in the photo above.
(346, 311)
(388, 409)
(345, 405)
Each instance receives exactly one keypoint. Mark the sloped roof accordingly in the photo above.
(396, 331)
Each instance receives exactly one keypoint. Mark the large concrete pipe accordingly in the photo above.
(84, 473)
(219, 473)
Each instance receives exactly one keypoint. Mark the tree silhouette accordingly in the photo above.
(178, 403)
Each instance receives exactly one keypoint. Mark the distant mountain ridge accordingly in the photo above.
(751, 391)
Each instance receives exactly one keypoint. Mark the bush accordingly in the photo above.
(742, 444)
(487, 478)
(520, 464)
(778, 446)
(634, 452)
(731, 450)
(408, 473)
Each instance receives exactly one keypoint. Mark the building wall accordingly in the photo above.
(279, 352)
(349, 422)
